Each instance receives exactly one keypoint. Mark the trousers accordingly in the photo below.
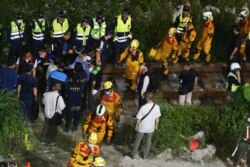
(137, 143)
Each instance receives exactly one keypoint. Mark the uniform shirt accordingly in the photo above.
(27, 82)
(49, 100)
(8, 78)
(147, 125)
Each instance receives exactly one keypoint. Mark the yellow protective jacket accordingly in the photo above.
(133, 61)
(187, 38)
(83, 155)
(207, 33)
(245, 27)
(96, 124)
(113, 105)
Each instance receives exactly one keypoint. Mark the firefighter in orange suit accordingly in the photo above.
(186, 41)
(134, 58)
(85, 152)
(244, 30)
(167, 50)
(206, 37)
(112, 102)
(98, 122)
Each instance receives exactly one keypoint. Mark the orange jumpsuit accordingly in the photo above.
(83, 155)
(96, 124)
(245, 28)
(186, 42)
(166, 51)
(205, 40)
(134, 59)
(113, 105)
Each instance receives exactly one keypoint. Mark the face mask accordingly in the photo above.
(40, 20)
(90, 145)
(90, 69)
(19, 21)
(107, 92)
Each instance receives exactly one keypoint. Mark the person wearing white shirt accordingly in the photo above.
(147, 121)
(53, 103)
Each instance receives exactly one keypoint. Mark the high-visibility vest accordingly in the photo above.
(58, 29)
(183, 23)
(122, 29)
(38, 30)
(82, 34)
(16, 33)
(233, 87)
(98, 31)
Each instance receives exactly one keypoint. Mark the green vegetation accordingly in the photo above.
(151, 18)
(222, 125)
(12, 124)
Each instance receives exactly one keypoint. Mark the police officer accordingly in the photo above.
(233, 77)
(83, 30)
(38, 26)
(98, 29)
(60, 26)
(182, 21)
(122, 28)
(16, 37)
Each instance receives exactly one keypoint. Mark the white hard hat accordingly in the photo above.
(244, 13)
(235, 66)
(208, 14)
(100, 110)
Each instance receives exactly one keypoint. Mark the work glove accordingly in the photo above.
(130, 36)
(94, 91)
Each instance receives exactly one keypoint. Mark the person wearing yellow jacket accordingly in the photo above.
(112, 102)
(134, 59)
(244, 31)
(167, 50)
(186, 41)
(206, 37)
(98, 122)
(84, 152)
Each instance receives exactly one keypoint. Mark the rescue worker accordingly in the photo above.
(16, 37)
(60, 26)
(99, 162)
(234, 78)
(134, 59)
(186, 41)
(244, 31)
(112, 102)
(167, 50)
(182, 21)
(84, 152)
(243, 143)
(206, 37)
(83, 34)
(98, 29)
(122, 28)
(98, 122)
(38, 26)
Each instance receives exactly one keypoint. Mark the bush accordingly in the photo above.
(12, 124)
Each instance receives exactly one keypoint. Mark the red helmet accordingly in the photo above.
(194, 145)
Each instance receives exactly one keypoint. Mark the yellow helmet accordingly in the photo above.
(93, 138)
(172, 31)
(134, 44)
(99, 162)
(107, 85)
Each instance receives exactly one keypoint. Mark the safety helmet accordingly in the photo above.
(107, 85)
(244, 13)
(134, 44)
(207, 15)
(194, 145)
(235, 66)
(18, 16)
(99, 162)
(172, 31)
(100, 110)
(40, 15)
(93, 138)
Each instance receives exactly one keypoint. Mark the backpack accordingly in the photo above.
(154, 84)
